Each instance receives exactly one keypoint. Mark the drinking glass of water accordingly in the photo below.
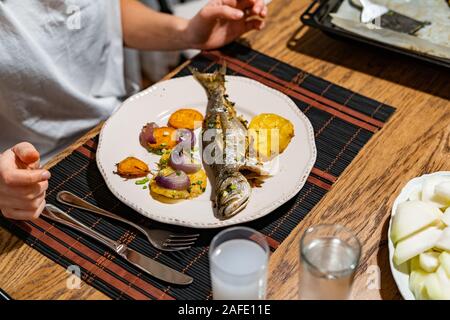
(238, 259)
(329, 256)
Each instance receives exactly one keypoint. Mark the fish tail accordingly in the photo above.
(212, 82)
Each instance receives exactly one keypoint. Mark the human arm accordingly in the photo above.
(216, 24)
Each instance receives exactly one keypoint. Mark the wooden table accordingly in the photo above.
(415, 141)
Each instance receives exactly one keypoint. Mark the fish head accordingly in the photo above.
(233, 194)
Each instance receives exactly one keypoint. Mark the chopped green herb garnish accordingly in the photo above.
(233, 187)
(155, 151)
(144, 187)
(163, 163)
(211, 124)
(142, 181)
(178, 173)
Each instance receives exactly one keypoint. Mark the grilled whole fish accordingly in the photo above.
(224, 142)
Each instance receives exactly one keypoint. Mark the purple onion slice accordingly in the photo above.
(175, 181)
(186, 136)
(146, 135)
(180, 161)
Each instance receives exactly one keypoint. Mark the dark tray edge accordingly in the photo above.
(317, 19)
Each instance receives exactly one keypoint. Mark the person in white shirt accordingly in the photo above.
(62, 71)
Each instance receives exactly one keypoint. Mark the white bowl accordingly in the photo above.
(401, 273)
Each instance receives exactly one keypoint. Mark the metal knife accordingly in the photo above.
(146, 264)
(4, 295)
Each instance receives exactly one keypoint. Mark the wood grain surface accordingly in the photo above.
(414, 142)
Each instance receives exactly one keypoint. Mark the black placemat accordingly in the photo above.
(343, 121)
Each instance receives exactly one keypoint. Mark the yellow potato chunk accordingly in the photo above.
(270, 134)
(168, 193)
(198, 183)
(164, 160)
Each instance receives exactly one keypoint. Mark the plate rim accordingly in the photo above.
(398, 276)
(224, 223)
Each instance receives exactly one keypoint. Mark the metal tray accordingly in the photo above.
(317, 15)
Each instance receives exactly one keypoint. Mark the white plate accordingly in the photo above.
(119, 139)
(401, 273)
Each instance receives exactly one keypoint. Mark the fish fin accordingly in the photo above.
(257, 169)
(223, 69)
(211, 81)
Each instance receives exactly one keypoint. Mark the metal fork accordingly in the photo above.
(161, 239)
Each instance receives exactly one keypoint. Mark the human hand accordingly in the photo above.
(22, 183)
(222, 21)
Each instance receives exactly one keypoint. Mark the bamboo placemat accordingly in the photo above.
(344, 122)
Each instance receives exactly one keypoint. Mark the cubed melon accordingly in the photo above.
(436, 289)
(442, 191)
(445, 218)
(444, 259)
(429, 261)
(412, 216)
(416, 244)
(429, 193)
(417, 279)
(443, 242)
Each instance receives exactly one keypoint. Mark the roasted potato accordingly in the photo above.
(186, 119)
(165, 137)
(263, 130)
(164, 160)
(131, 168)
(198, 183)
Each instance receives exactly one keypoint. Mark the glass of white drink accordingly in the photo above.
(238, 260)
(329, 256)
